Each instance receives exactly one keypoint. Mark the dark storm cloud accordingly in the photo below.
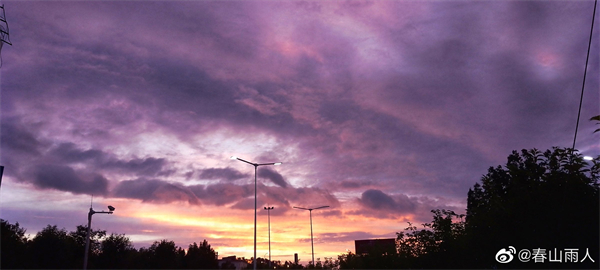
(155, 191)
(18, 138)
(302, 197)
(377, 200)
(66, 179)
(70, 153)
(273, 176)
(222, 193)
(51, 166)
(228, 174)
(354, 184)
(190, 90)
(242, 196)
(378, 204)
(339, 110)
(141, 166)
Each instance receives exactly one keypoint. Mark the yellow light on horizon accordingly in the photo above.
(181, 220)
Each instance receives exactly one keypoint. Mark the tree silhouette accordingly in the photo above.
(116, 252)
(200, 257)
(597, 119)
(53, 248)
(80, 236)
(165, 255)
(538, 200)
(13, 249)
(440, 244)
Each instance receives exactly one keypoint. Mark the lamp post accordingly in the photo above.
(1, 172)
(311, 230)
(87, 239)
(255, 168)
(269, 214)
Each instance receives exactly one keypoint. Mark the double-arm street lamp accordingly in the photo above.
(255, 168)
(311, 230)
(87, 239)
(269, 214)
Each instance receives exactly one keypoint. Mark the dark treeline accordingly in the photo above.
(54, 248)
(545, 202)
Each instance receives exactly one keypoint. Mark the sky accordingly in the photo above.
(381, 110)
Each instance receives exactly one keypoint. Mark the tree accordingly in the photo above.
(80, 237)
(200, 257)
(537, 200)
(13, 243)
(144, 259)
(290, 265)
(116, 252)
(596, 118)
(440, 244)
(350, 261)
(165, 255)
(330, 263)
(53, 248)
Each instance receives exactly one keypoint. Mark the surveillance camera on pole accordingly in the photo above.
(87, 240)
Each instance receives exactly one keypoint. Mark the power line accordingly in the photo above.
(584, 74)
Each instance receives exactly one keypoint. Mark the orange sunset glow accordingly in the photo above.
(381, 110)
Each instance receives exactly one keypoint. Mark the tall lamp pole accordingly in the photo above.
(87, 239)
(269, 214)
(311, 230)
(1, 172)
(255, 168)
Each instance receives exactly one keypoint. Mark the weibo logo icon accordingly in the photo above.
(506, 256)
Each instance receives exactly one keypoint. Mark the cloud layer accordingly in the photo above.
(381, 110)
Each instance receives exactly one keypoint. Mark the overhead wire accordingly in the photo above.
(584, 75)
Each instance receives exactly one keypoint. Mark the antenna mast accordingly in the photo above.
(4, 27)
(4, 37)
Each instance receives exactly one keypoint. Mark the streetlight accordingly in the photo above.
(255, 167)
(87, 239)
(311, 230)
(269, 214)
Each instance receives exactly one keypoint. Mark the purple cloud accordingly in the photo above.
(273, 176)
(376, 200)
(365, 107)
(18, 139)
(140, 166)
(222, 193)
(66, 179)
(228, 174)
(68, 152)
(156, 191)
(351, 184)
